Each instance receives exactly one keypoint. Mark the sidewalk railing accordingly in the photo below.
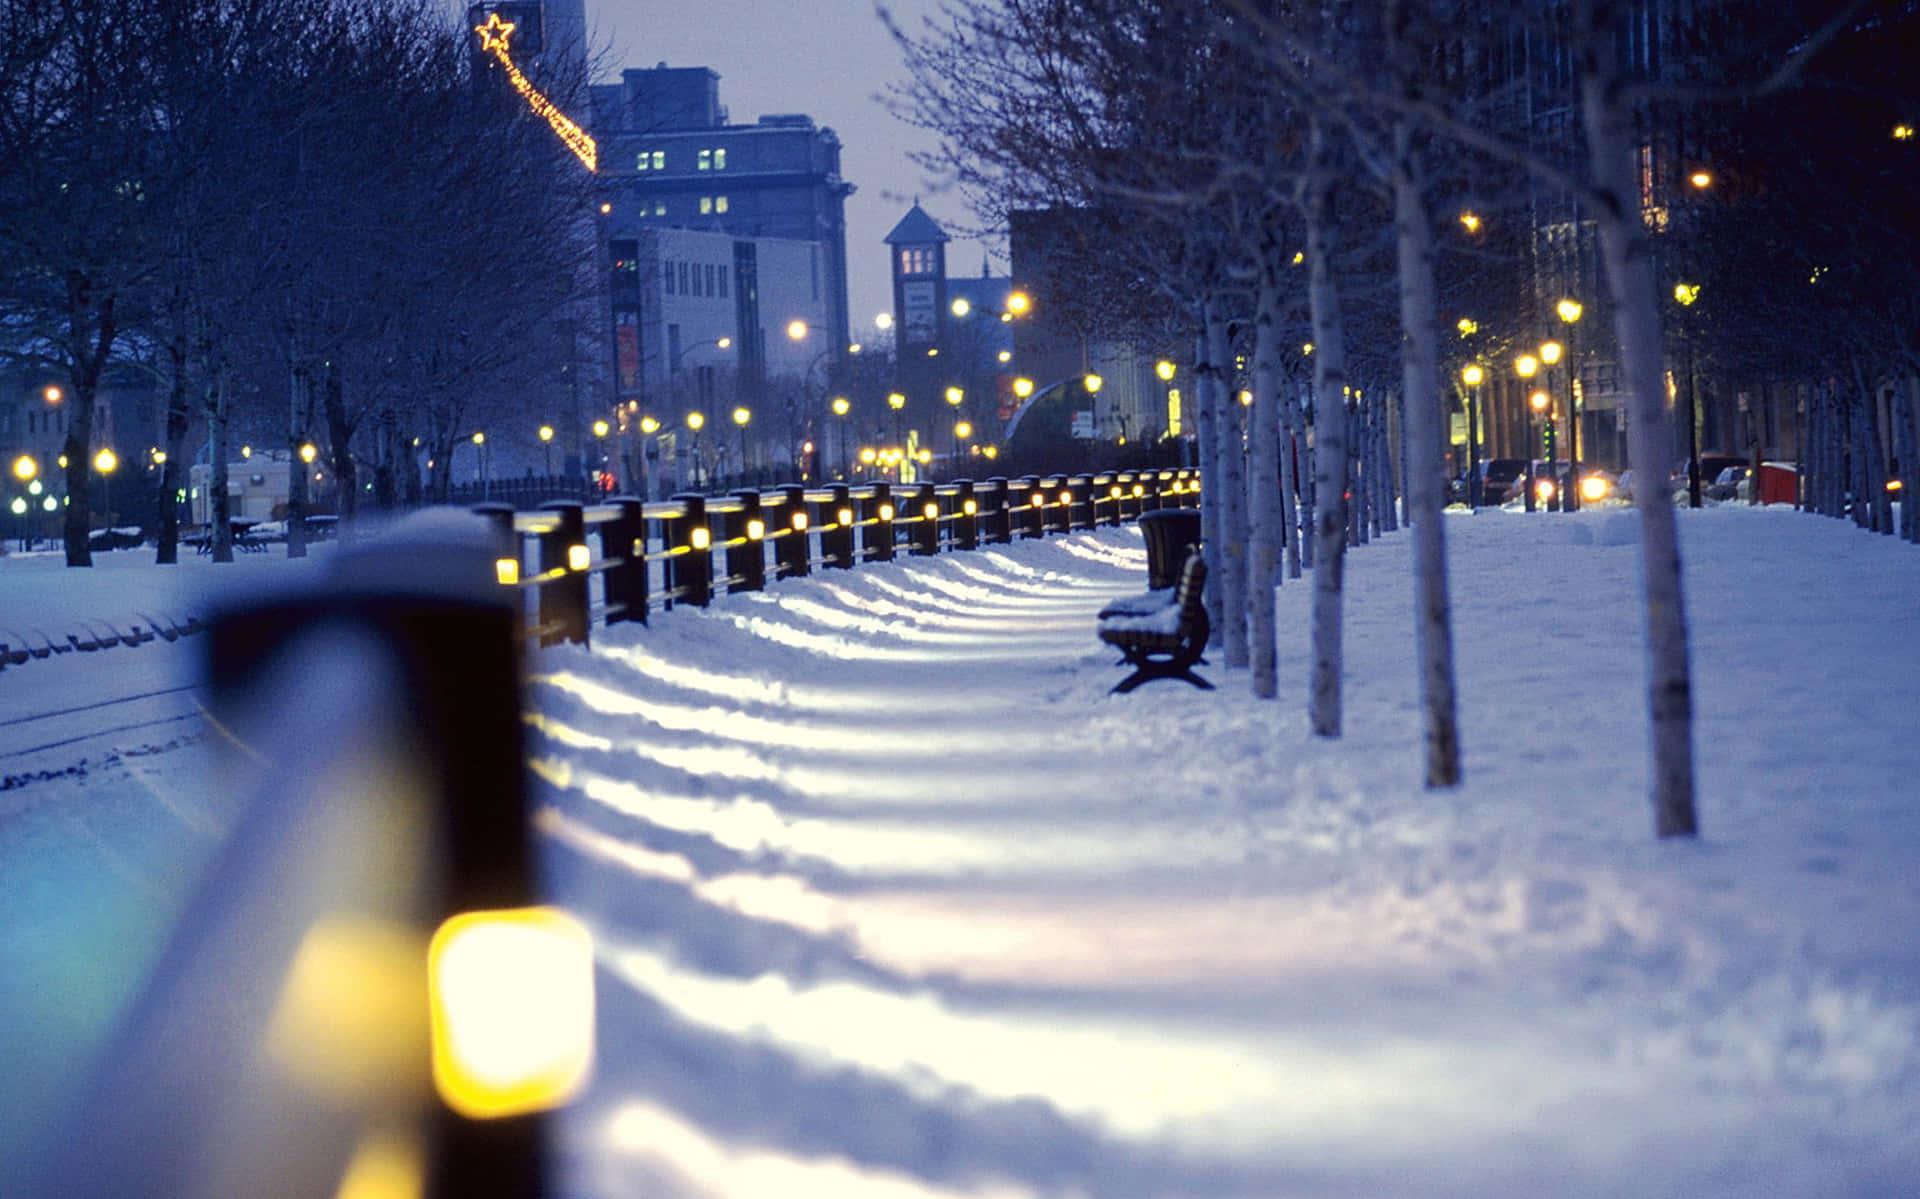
(578, 566)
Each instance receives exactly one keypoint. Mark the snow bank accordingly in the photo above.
(894, 899)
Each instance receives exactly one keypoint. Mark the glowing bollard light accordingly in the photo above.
(511, 999)
(507, 570)
(579, 558)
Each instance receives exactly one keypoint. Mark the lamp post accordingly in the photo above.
(1569, 311)
(1539, 490)
(841, 407)
(1527, 366)
(546, 448)
(696, 421)
(955, 397)
(1685, 294)
(1551, 353)
(1473, 376)
(896, 401)
(741, 416)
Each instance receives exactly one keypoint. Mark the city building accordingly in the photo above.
(953, 339)
(718, 203)
(35, 417)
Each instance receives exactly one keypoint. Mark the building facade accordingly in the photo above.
(762, 203)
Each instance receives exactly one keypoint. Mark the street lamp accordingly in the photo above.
(741, 416)
(1538, 488)
(1093, 383)
(1527, 366)
(52, 394)
(1019, 303)
(896, 401)
(796, 330)
(25, 468)
(841, 406)
(961, 306)
(546, 447)
(1685, 294)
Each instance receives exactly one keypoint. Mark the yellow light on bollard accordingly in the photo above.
(800, 521)
(510, 995)
(700, 538)
(756, 529)
(931, 511)
(1116, 491)
(1039, 499)
(1066, 497)
(1544, 489)
(1139, 490)
(970, 507)
(579, 558)
(846, 517)
(886, 512)
(507, 570)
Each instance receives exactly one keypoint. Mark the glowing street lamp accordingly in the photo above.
(1470, 221)
(1903, 132)
(696, 421)
(106, 461)
(546, 433)
(1004, 357)
(1550, 353)
(1093, 383)
(961, 307)
(741, 416)
(25, 468)
(842, 405)
(1539, 400)
(963, 430)
(955, 396)
(1022, 387)
(1472, 375)
(1686, 293)
(1569, 311)
(479, 438)
(1467, 326)
(309, 452)
(1526, 366)
(649, 425)
(1165, 370)
(1019, 303)
(601, 428)
(1701, 180)
(883, 321)
(52, 394)
(796, 330)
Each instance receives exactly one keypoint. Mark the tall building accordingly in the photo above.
(953, 341)
(762, 204)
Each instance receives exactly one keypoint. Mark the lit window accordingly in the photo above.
(706, 160)
(659, 160)
(706, 205)
(643, 162)
(720, 159)
(720, 204)
(659, 208)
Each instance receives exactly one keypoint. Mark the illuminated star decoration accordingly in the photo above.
(493, 40)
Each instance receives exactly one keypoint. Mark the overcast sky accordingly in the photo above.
(830, 59)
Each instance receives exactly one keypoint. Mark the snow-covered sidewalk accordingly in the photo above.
(894, 900)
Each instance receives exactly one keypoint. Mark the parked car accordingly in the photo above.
(1497, 479)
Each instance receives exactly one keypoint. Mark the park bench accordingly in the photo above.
(1171, 534)
(1168, 642)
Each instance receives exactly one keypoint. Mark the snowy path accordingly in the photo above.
(894, 900)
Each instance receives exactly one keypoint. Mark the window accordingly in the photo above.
(813, 261)
(706, 160)
(720, 204)
(659, 160)
(659, 208)
(723, 280)
(652, 160)
(667, 270)
(720, 159)
(712, 288)
(706, 205)
(684, 289)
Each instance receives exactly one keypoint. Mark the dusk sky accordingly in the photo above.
(831, 59)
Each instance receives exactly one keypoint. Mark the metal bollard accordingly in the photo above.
(966, 522)
(836, 529)
(795, 549)
(692, 540)
(993, 503)
(878, 537)
(624, 540)
(563, 562)
(926, 513)
(746, 532)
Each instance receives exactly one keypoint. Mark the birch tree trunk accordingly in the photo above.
(1420, 414)
(1330, 443)
(1628, 252)
(1263, 495)
(1292, 443)
(1210, 486)
(1230, 465)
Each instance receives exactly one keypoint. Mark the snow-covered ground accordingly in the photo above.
(892, 899)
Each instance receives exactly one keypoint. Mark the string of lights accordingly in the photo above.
(493, 40)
